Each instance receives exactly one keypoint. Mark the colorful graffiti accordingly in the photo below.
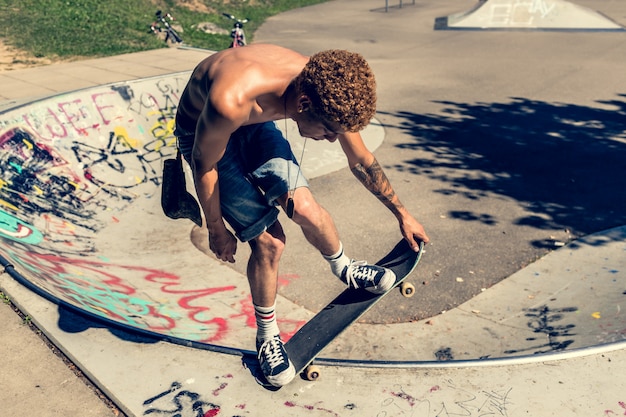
(14, 229)
(142, 297)
(78, 156)
(71, 166)
(182, 402)
(448, 398)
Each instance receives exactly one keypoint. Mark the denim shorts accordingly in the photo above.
(257, 168)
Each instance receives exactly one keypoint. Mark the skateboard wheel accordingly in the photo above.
(407, 289)
(312, 373)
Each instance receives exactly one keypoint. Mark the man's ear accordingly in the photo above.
(304, 103)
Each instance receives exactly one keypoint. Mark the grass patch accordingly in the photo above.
(93, 28)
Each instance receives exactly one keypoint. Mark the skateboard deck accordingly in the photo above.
(332, 320)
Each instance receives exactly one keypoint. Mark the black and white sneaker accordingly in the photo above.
(275, 365)
(372, 278)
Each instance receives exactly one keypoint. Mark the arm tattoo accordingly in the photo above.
(375, 180)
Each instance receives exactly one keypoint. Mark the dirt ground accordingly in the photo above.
(15, 59)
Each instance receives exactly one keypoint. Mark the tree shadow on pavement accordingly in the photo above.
(566, 163)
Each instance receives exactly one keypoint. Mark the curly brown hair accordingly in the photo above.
(341, 87)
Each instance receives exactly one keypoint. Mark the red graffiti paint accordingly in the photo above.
(95, 286)
(216, 392)
(408, 398)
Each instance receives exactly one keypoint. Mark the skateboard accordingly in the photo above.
(332, 320)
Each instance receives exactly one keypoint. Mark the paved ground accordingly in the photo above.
(34, 379)
(503, 144)
(547, 313)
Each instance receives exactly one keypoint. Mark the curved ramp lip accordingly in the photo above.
(12, 106)
(354, 363)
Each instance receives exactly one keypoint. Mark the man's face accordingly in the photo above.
(315, 128)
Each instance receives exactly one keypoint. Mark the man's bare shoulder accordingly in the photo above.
(249, 79)
(243, 85)
(255, 57)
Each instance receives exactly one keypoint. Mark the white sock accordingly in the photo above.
(266, 324)
(338, 261)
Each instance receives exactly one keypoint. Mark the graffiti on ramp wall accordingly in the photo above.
(80, 187)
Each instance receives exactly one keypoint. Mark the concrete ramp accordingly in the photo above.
(81, 222)
(527, 15)
(81, 225)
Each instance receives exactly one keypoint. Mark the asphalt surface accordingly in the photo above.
(502, 144)
(505, 145)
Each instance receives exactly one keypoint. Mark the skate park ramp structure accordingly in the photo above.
(527, 15)
(555, 326)
(81, 220)
(81, 225)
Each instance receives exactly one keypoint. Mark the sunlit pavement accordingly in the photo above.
(111, 252)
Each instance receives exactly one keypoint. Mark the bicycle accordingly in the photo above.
(170, 34)
(237, 33)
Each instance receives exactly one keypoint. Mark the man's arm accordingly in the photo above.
(366, 168)
(212, 135)
(375, 180)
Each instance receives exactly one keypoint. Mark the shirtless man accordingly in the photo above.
(243, 167)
